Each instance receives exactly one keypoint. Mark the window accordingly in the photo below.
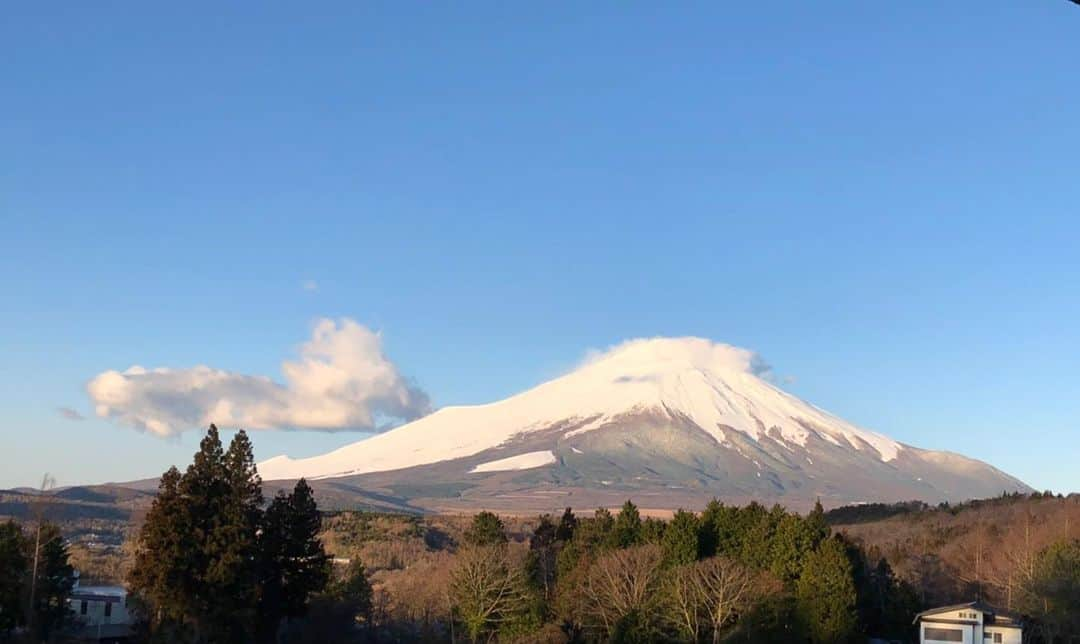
(997, 638)
(108, 609)
(82, 607)
(943, 634)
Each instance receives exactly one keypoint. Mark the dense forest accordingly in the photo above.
(213, 561)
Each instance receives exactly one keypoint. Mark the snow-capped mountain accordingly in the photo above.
(672, 419)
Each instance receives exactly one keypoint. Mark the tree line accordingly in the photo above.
(214, 561)
(746, 574)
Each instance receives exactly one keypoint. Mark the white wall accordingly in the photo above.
(95, 611)
(1008, 635)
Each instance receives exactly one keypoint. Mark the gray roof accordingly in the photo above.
(978, 605)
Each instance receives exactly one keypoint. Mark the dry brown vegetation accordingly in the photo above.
(980, 549)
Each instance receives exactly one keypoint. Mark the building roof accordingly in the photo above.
(979, 605)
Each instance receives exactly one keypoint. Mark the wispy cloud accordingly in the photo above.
(69, 413)
(342, 380)
(309, 285)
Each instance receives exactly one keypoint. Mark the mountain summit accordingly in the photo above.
(668, 421)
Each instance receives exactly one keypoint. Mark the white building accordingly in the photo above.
(970, 623)
(101, 611)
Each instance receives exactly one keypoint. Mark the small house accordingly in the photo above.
(101, 613)
(970, 623)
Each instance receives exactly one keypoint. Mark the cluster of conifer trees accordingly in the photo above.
(213, 565)
(35, 580)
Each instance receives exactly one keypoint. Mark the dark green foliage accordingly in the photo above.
(727, 531)
(486, 530)
(680, 541)
(292, 563)
(816, 524)
(540, 564)
(596, 532)
(342, 613)
(353, 591)
(885, 604)
(55, 578)
(760, 529)
(712, 518)
(232, 547)
(1052, 595)
(793, 540)
(826, 594)
(14, 570)
(161, 576)
(210, 563)
(652, 530)
(773, 619)
(567, 525)
(544, 534)
(627, 529)
(634, 628)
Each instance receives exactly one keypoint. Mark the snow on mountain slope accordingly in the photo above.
(525, 461)
(712, 385)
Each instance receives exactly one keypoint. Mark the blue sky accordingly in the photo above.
(879, 198)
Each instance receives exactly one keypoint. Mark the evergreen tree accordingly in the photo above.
(293, 565)
(161, 576)
(204, 489)
(486, 530)
(816, 524)
(544, 534)
(725, 529)
(55, 579)
(884, 603)
(627, 529)
(680, 543)
(567, 524)
(599, 532)
(793, 541)
(653, 530)
(14, 568)
(197, 559)
(232, 547)
(353, 591)
(1052, 594)
(708, 532)
(826, 594)
(758, 534)
(540, 563)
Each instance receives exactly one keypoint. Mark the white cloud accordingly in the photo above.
(341, 380)
(310, 285)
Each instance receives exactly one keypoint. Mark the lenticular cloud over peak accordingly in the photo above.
(341, 380)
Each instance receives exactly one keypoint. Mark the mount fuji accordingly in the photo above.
(669, 422)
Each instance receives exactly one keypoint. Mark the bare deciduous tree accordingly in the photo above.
(487, 588)
(622, 584)
(726, 588)
(708, 595)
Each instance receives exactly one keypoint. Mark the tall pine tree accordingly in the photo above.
(680, 542)
(55, 579)
(14, 568)
(627, 529)
(161, 577)
(826, 594)
(292, 562)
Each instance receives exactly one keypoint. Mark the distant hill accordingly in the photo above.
(955, 552)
